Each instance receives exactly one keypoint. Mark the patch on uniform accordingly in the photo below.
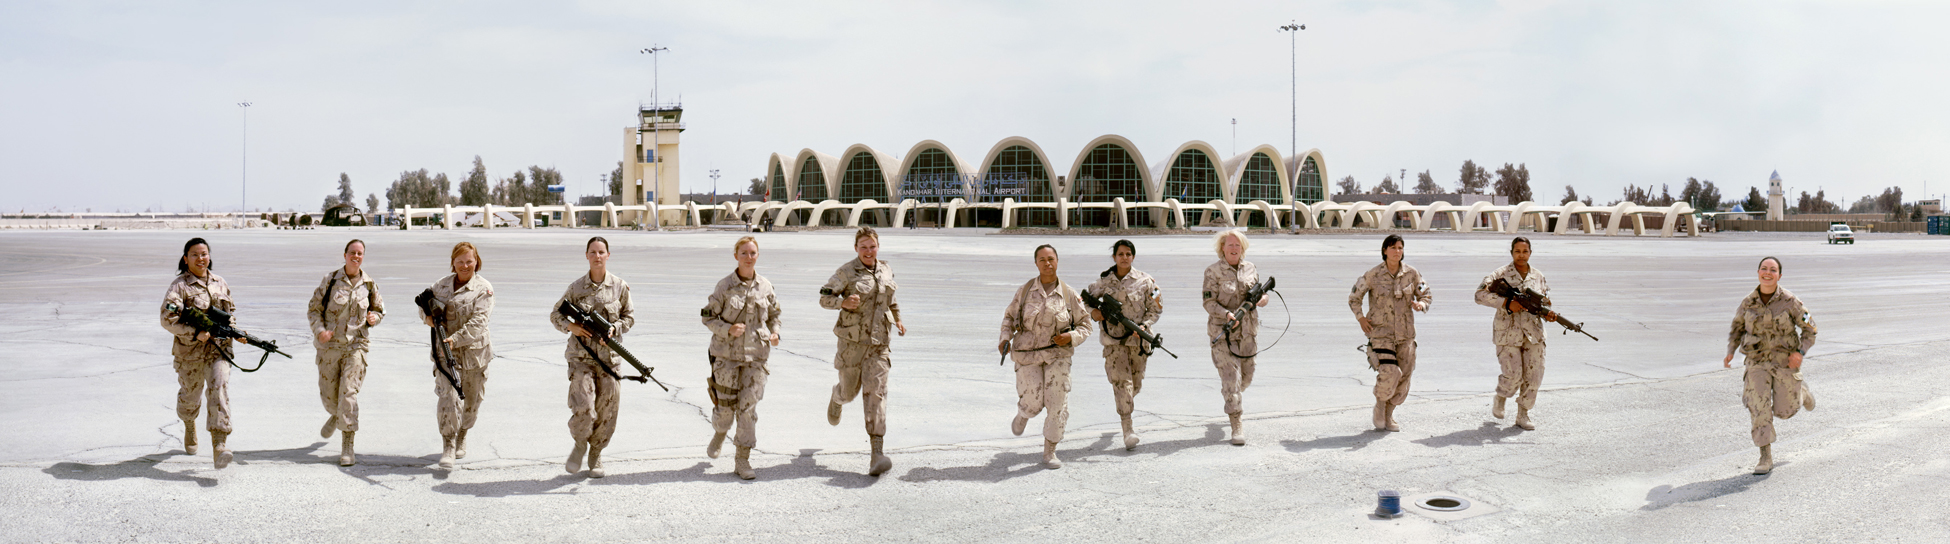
(1208, 294)
(706, 312)
(1808, 318)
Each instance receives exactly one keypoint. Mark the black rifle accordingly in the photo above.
(1114, 314)
(1252, 300)
(443, 355)
(1534, 304)
(601, 328)
(217, 323)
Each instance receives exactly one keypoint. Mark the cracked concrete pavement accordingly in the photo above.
(1641, 436)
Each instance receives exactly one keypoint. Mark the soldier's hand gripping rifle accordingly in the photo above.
(443, 354)
(1534, 304)
(1114, 314)
(217, 323)
(1253, 297)
(601, 328)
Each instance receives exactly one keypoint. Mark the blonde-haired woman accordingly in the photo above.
(743, 315)
(468, 299)
(1226, 284)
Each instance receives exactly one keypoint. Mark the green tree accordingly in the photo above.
(372, 203)
(1387, 185)
(474, 189)
(1755, 202)
(1570, 195)
(1473, 179)
(757, 188)
(345, 189)
(1513, 182)
(616, 180)
(1348, 186)
(1425, 184)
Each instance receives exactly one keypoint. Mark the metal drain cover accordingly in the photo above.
(1444, 503)
(1445, 506)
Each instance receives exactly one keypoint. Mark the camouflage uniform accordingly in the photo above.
(1765, 332)
(1519, 336)
(1123, 361)
(339, 304)
(1225, 290)
(593, 395)
(1391, 311)
(862, 360)
(738, 363)
(467, 327)
(1036, 314)
(200, 369)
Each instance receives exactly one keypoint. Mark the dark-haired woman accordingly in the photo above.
(1394, 291)
(1773, 329)
(469, 300)
(1041, 328)
(200, 371)
(1518, 334)
(593, 396)
(343, 309)
(1124, 357)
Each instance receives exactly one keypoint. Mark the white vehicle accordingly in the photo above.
(1839, 233)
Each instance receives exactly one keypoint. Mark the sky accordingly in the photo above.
(128, 106)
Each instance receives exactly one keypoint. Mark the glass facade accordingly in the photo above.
(778, 183)
(1307, 188)
(1192, 180)
(1108, 172)
(1259, 181)
(1021, 160)
(931, 161)
(862, 180)
(812, 181)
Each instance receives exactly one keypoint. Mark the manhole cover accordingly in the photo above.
(1446, 506)
(1444, 503)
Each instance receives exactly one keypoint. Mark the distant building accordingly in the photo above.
(650, 170)
(1776, 198)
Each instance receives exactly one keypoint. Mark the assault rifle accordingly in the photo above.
(1114, 314)
(443, 355)
(1252, 300)
(601, 328)
(217, 322)
(1533, 303)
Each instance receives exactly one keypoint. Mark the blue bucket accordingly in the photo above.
(1389, 504)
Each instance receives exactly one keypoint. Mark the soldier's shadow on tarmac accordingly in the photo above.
(140, 467)
(802, 466)
(1350, 442)
(1663, 496)
(1011, 464)
(1489, 433)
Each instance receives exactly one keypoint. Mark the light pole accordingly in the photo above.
(1293, 145)
(656, 136)
(244, 171)
(714, 186)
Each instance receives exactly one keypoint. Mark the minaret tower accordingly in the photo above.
(1776, 198)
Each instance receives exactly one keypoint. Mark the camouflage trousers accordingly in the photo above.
(197, 380)
(1043, 381)
(341, 372)
(593, 402)
(863, 372)
(454, 414)
(1391, 381)
(1772, 391)
(1125, 368)
(1235, 375)
(1523, 372)
(736, 388)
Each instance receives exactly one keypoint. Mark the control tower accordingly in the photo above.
(650, 166)
(1776, 198)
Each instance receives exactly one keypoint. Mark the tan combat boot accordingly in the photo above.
(1049, 456)
(1130, 437)
(346, 458)
(1018, 425)
(1390, 414)
(221, 451)
(832, 413)
(880, 463)
(1766, 464)
(446, 453)
(331, 424)
(717, 444)
(574, 464)
(1807, 398)
(460, 445)
(1496, 409)
(596, 463)
(744, 467)
(1238, 433)
(1523, 419)
(1381, 415)
(189, 437)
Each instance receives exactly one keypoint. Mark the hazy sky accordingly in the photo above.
(133, 105)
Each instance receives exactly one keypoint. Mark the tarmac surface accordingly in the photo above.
(1641, 436)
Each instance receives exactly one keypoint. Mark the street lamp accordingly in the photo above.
(245, 193)
(656, 136)
(714, 186)
(1293, 145)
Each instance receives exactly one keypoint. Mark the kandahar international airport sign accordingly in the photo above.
(970, 187)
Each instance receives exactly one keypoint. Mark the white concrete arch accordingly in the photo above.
(1235, 170)
(1293, 170)
(790, 169)
(1162, 170)
(889, 179)
(829, 168)
(1049, 168)
(1144, 171)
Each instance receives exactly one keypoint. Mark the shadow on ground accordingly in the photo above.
(1663, 496)
(1489, 433)
(1011, 464)
(804, 465)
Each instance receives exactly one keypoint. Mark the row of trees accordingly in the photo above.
(423, 189)
(1511, 181)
